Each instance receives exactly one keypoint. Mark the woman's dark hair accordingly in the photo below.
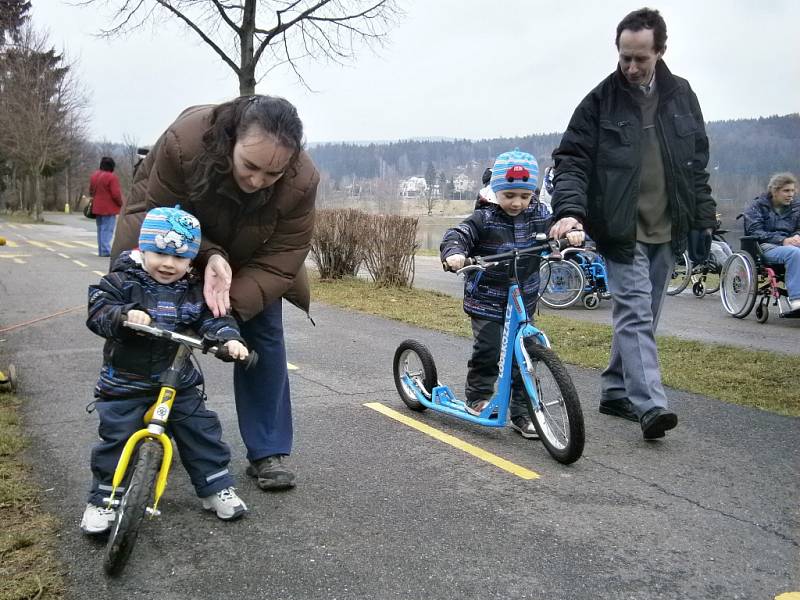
(107, 164)
(275, 116)
(645, 18)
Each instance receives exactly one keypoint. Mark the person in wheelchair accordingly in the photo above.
(774, 219)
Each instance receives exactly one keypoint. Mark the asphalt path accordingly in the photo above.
(383, 510)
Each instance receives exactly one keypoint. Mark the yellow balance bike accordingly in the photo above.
(150, 451)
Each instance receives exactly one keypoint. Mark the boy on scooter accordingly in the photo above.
(493, 228)
(154, 286)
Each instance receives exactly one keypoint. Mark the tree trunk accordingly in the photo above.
(247, 66)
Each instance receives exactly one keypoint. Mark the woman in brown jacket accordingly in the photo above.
(240, 168)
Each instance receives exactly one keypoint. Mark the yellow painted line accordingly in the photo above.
(788, 596)
(64, 244)
(19, 261)
(497, 461)
(11, 244)
(62, 255)
(292, 367)
(100, 273)
(38, 244)
(80, 264)
(14, 255)
(87, 244)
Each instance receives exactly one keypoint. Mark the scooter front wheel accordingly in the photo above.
(133, 505)
(557, 416)
(413, 360)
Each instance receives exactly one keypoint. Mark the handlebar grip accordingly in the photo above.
(250, 361)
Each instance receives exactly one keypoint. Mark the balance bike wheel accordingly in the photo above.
(132, 508)
(414, 360)
(8, 380)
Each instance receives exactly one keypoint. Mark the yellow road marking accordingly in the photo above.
(292, 367)
(62, 255)
(87, 244)
(38, 244)
(65, 244)
(11, 244)
(14, 255)
(501, 463)
(788, 596)
(19, 261)
(80, 264)
(100, 273)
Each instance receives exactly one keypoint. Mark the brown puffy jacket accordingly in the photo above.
(264, 236)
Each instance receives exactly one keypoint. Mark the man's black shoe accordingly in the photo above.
(656, 421)
(271, 473)
(621, 408)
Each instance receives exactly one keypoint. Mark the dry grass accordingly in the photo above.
(756, 378)
(28, 568)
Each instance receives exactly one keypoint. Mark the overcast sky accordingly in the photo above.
(451, 68)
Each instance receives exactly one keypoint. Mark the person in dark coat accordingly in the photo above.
(511, 221)
(154, 286)
(632, 170)
(774, 218)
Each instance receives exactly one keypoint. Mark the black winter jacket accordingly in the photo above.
(598, 163)
(132, 363)
(490, 230)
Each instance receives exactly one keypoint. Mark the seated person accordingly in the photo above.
(774, 218)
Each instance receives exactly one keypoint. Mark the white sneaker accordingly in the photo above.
(226, 504)
(97, 519)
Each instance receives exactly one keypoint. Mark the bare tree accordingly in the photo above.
(41, 114)
(287, 32)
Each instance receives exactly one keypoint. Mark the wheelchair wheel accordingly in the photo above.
(557, 415)
(699, 289)
(133, 506)
(739, 283)
(564, 283)
(414, 360)
(591, 301)
(681, 274)
(762, 311)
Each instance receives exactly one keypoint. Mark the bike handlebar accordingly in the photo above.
(481, 262)
(220, 351)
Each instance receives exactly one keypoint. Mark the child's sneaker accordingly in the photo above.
(524, 426)
(226, 504)
(97, 519)
(476, 407)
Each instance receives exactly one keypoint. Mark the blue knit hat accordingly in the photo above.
(170, 231)
(514, 170)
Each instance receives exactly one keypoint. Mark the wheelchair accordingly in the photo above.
(581, 275)
(747, 278)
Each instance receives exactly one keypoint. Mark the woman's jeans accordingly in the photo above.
(789, 256)
(263, 406)
(105, 231)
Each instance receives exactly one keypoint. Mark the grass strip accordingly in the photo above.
(757, 378)
(28, 568)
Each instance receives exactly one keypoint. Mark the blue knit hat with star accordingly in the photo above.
(169, 230)
(514, 170)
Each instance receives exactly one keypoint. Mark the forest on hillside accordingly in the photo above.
(743, 154)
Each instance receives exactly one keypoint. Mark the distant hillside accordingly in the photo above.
(744, 153)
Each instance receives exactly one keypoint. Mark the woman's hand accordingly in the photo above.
(217, 285)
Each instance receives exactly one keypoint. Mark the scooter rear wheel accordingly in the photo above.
(414, 360)
(133, 505)
(557, 416)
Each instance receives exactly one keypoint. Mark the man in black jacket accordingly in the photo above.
(631, 169)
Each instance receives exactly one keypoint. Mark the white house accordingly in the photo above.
(413, 187)
(463, 183)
